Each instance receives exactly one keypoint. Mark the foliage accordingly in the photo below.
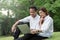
(20, 9)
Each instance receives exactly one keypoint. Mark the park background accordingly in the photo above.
(13, 10)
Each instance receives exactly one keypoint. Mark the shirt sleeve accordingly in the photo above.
(47, 24)
(26, 19)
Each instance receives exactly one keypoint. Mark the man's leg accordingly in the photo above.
(26, 37)
(36, 37)
(16, 33)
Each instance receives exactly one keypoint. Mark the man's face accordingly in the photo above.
(32, 12)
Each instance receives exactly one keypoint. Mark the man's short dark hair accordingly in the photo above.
(33, 7)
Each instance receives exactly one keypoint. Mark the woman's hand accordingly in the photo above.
(41, 20)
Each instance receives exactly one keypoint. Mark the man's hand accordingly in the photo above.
(14, 26)
(34, 31)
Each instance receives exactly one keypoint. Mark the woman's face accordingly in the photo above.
(42, 14)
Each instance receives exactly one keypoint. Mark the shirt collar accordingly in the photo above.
(35, 16)
(46, 17)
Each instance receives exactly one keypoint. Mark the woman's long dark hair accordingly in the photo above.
(44, 10)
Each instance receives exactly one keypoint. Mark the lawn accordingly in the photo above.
(56, 36)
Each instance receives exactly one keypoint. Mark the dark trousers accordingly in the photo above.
(16, 34)
(27, 36)
(31, 37)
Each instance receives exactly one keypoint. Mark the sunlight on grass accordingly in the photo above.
(6, 38)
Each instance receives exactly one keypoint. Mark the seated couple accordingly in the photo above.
(41, 26)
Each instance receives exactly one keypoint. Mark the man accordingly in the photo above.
(33, 16)
(33, 20)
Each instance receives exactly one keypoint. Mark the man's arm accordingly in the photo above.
(24, 20)
(21, 23)
(14, 26)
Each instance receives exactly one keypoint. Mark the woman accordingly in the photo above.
(43, 13)
(45, 24)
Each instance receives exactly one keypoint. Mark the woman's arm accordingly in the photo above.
(47, 24)
(41, 21)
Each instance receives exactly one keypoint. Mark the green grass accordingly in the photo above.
(6, 38)
(56, 36)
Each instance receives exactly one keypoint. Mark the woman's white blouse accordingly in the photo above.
(47, 27)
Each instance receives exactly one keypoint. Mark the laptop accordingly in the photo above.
(24, 28)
